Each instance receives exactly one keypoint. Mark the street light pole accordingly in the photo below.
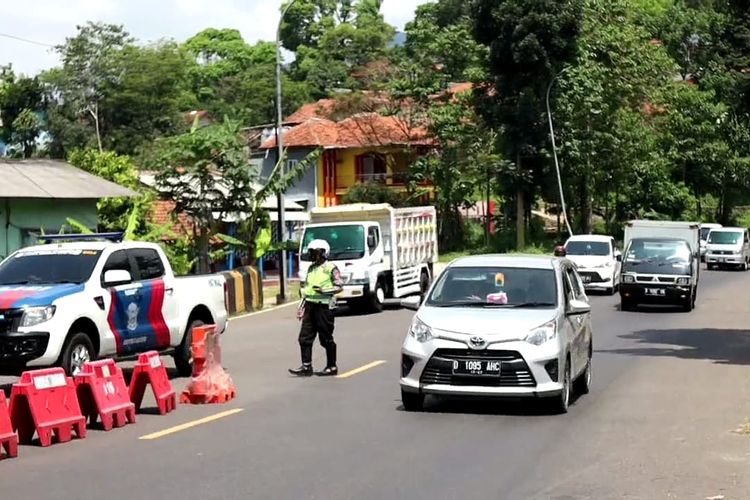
(282, 297)
(554, 153)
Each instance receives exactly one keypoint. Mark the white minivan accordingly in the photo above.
(728, 246)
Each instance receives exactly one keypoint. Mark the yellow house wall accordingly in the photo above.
(346, 168)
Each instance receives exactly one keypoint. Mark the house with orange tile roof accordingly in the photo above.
(364, 147)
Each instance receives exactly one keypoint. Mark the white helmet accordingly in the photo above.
(321, 245)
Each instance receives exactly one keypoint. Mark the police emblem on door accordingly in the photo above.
(132, 316)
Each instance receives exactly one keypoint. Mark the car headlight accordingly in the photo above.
(360, 281)
(35, 315)
(628, 278)
(542, 334)
(683, 281)
(420, 331)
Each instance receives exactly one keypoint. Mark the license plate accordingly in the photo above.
(477, 367)
(586, 279)
(659, 292)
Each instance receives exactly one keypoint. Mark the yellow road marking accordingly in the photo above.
(188, 425)
(361, 369)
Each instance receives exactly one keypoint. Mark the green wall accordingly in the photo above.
(20, 217)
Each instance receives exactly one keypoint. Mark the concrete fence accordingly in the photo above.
(244, 290)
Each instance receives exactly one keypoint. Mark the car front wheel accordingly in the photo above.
(562, 401)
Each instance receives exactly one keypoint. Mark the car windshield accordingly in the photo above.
(725, 237)
(47, 267)
(495, 287)
(649, 251)
(600, 248)
(347, 242)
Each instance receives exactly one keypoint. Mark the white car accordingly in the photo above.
(598, 261)
(499, 326)
(728, 246)
(69, 303)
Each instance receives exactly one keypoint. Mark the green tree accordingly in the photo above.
(236, 80)
(21, 101)
(114, 213)
(529, 42)
(333, 38)
(26, 129)
(617, 73)
(89, 67)
(207, 173)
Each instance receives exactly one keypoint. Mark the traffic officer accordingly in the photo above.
(322, 283)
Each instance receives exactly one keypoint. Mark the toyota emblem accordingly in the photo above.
(477, 342)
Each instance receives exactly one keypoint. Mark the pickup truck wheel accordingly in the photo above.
(78, 350)
(183, 355)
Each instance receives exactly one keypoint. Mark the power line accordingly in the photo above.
(26, 40)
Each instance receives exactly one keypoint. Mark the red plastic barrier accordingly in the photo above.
(210, 383)
(150, 370)
(102, 393)
(45, 401)
(8, 437)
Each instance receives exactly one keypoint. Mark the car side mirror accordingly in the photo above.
(578, 307)
(618, 257)
(115, 277)
(412, 302)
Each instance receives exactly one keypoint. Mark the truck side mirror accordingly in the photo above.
(371, 243)
(618, 257)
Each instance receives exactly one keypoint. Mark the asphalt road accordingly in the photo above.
(669, 390)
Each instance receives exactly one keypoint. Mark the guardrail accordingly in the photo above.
(244, 290)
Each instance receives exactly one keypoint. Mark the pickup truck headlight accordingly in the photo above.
(542, 334)
(33, 316)
(420, 331)
(628, 278)
(360, 281)
(683, 281)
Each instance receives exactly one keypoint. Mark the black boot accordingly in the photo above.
(328, 371)
(303, 371)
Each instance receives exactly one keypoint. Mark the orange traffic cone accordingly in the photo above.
(210, 383)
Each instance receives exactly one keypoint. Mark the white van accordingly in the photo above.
(705, 229)
(728, 246)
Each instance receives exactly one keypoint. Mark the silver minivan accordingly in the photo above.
(728, 247)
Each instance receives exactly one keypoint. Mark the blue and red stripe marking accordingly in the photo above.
(151, 331)
(13, 297)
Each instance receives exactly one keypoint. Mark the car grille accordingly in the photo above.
(722, 252)
(10, 320)
(514, 372)
(655, 279)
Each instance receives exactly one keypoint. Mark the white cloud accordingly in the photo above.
(50, 21)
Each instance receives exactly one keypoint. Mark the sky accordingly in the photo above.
(49, 22)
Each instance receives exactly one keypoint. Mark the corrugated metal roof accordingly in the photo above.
(54, 179)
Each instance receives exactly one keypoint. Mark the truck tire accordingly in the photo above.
(377, 297)
(78, 350)
(183, 355)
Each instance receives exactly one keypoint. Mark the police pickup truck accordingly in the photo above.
(66, 303)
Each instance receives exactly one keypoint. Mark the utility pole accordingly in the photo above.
(554, 154)
(282, 297)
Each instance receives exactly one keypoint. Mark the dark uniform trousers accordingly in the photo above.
(317, 320)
